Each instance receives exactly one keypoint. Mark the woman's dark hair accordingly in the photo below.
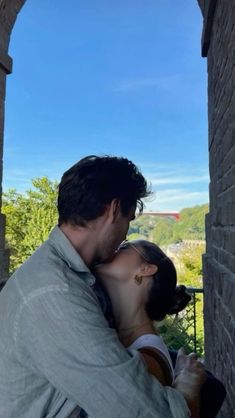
(95, 181)
(165, 297)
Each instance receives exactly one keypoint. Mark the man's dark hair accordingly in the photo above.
(93, 182)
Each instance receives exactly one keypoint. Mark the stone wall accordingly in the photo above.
(8, 13)
(218, 43)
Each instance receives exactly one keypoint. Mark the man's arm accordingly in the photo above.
(70, 343)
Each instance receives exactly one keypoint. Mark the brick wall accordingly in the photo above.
(8, 13)
(219, 261)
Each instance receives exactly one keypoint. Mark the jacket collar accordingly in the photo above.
(66, 250)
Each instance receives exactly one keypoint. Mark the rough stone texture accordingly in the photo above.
(4, 266)
(2, 105)
(219, 261)
(4, 254)
(8, 13)
(201, 4)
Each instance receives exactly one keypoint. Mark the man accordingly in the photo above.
(56, 348)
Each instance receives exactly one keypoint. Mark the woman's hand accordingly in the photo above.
(189, 377)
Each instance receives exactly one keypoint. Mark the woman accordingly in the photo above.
(135, 297)
(141, 283)
(139, 286)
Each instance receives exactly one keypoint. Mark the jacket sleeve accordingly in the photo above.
(65, 337)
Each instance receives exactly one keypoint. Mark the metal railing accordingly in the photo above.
(195, 291)
(185, 329)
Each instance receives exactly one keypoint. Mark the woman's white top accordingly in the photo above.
(155, 341)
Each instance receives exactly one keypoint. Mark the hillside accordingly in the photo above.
(164, 231)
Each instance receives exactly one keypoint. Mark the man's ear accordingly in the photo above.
(114, 210)
(148, 270)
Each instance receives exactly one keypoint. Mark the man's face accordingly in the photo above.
(115, 234)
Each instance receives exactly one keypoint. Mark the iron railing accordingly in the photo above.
(194, 291)
(185, 329)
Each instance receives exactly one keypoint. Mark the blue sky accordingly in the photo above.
(103, 77)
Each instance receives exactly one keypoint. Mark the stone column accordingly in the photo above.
(218, 42)
(9, 10)
(5, 68)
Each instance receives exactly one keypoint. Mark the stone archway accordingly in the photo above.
(218, 42)
(9, 10)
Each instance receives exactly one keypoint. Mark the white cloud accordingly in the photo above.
(16, 179)
(176, 199)
(174, 83)
(15, 175)
(167, 174)
(136, 84)
(183, 179)
(175, 186)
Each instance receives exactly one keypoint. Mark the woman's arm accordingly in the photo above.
(189, 379)
(189, 373)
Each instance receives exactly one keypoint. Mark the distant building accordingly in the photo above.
(174, 251)
(175, 215)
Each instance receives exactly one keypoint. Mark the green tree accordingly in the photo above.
(143, 225)
(135, 236)
(162, 233)
(192, 261)
(191, 276)
(191, 224)
(30, 218)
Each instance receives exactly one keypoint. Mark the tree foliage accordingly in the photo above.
(187, 328)
(162, 233)
(191, 224)
(191, 276)
(166, 230)
(30, 218)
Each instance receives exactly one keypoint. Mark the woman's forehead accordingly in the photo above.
(146, 250)
(127, 243)
(136, 246)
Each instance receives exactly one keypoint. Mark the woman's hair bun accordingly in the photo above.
(180, 300)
